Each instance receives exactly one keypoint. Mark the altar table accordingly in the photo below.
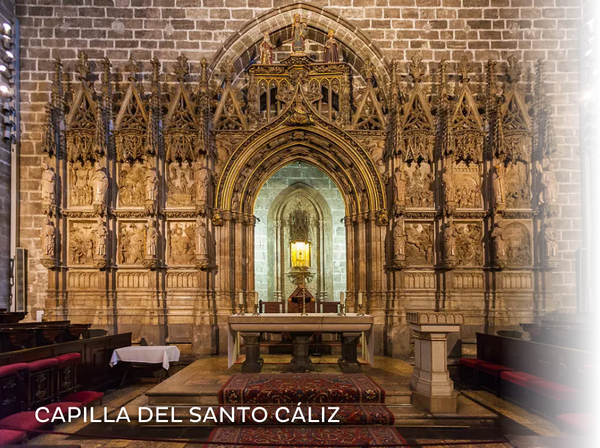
(150, 354)
(351, 326)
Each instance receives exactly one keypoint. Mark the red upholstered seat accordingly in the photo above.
(582, 423)
(11, 369)
(42, 364)
(519, 378)
(68, 359)
(470, 362)
(23, 421)
(9, 437)
(553, 390)
(492, 369)
(85, 397)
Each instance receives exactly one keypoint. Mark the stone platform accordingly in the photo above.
(199, 385)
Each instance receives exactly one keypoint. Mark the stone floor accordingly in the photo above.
(205, 377)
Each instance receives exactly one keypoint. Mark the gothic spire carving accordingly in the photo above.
(229, 115)
(369, 112)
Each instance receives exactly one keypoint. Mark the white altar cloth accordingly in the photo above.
(151, 354)
(295, 322)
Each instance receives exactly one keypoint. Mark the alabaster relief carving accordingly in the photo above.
(399, 189)
(100, 184)
(48, 239)
(498, 185)
(82, 242)
(131, 243)
(180, 185)
(518, 189)
(151, 183)
(550, 242)
(131, 185)
(399, 237)
(181, 243)
(151, 239)
(518, 244)
(202, 185)
(548, 195)
(450, 235)
(468, 244)
(81, 191)
(201, 242)
(449, 185)
(419, 185)
(419, 243)
(467, 180)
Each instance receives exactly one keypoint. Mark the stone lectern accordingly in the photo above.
(430, 381)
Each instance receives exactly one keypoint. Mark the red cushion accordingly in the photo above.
(470, 362)
(492, 369)
(68, 359)
(12, 369)
(519, 378)
(42, 364)
(579, 422)
(85, 397)
(8, 437)
(553, 390)
(24, 421)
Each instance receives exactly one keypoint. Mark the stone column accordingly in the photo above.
(349, 361)
(253, 362)
(430, 381)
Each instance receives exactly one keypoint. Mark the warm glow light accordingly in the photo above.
(300, 254)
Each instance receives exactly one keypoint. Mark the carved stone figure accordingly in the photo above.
(82, 243)
(449, 185)
(499, 241)
(180, 185)
(100, 234)
(518, 244)
(48, 186)
(331, 48)
(100, 183)
(151, 239)
(181, 243)
(548, 195)
(419, 188)
(266, 50)
(419, 243)
(498, 184)
(551, 242)
(400, 187)
(131, 243)
(81, 185)
(202, 183)
(518, 190)
(298, 34)
(201, 249)
(399, 240)
(48, 239)
(151, 185)
(468, 244)
(450, 241)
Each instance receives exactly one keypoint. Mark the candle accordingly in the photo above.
(241, 298)
(341, 297)
(360, 298)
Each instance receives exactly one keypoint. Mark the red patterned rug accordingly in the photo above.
(306, 436)
(257, 388)
(348, 414)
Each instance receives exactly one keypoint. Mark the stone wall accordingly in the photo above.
(440, 29)
(313, 177)
(7, 9)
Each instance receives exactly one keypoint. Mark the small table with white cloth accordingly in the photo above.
(150, 354)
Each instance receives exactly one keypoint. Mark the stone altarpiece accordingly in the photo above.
(151, 179)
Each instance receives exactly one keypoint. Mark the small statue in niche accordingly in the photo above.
(331, 48)
(100, 183)
(499, 242)
(298, 34)
(266, 50)
(151, 238)
(202, 182)
(449, 185)
(400, 189)
(399, 238)
(551, 243)
(48, 239)
(498, 185)
(48, 188)
(151, 185)
(201, 237)
(450, 235)
(101, 234)
(548, 195)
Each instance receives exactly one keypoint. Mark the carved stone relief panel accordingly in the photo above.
(469, 237)
(82, 279)
(468, 185)
(517, 280)
(131, 184)
(518, 244)
(467, 280)
(419, 280)
(518, 189)
(180, 185)
(132, 279)
(82, 242)
(419, 243)
(131, 242)
(182, 279)
(181, 243)
(81, 192)
(419, 185)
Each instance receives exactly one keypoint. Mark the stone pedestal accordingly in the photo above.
(301, 360)
(253, 362)
(430, 381)
(349, 361)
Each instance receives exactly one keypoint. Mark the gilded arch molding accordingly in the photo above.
(279, 18)
(329, 148)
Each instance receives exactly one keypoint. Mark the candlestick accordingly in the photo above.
(360, 302)
(241, 296)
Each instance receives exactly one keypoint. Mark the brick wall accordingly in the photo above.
(441, 29)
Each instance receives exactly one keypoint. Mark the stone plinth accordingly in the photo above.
(430, 381)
